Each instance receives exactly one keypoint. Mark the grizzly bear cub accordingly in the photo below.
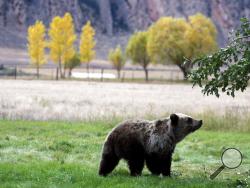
(151, 141)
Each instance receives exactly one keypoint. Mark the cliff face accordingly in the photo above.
(21, 13)
(116, 16)
(225, 13)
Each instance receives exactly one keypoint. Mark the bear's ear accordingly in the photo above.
(174, 119)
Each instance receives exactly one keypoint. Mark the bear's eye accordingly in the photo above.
(189, 120)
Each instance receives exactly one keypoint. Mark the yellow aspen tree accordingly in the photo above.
(117, 59)
(87, 44)
(37, 44)
(62, 38)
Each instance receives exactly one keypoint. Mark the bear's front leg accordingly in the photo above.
(108, 163)
(154, 163)
(109, 160)
(166, 165)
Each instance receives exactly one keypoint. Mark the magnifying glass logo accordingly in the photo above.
(231, 158)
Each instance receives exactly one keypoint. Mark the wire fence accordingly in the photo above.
(95, 73)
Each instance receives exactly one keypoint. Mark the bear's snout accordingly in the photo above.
(200, 122)
(197, 125)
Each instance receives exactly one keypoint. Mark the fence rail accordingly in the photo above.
(50, 72)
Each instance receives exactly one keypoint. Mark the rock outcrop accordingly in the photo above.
(119, 16)
(225, 13)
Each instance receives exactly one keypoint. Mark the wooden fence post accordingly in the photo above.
(123, 76)
(102, 71)
(15, 72)
(57, 72)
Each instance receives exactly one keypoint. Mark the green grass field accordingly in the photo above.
(64, 154)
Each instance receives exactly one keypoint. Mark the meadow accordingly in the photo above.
(66, 154)
(51, 133)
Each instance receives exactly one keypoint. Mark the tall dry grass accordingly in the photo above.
(78, 101)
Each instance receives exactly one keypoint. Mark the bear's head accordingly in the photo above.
(183, 125)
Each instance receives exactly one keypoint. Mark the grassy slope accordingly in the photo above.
(63, 154)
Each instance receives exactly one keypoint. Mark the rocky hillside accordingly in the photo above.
(113, 17)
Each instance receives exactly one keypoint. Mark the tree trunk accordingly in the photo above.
(88, 69)
(70, 72)
(15, 73)
(185, 67)
(184, 71)
(146, 74)
(37, 71)
(118, 74)
(60, 68)
(102, 75)
(57, 73)
(64, 70)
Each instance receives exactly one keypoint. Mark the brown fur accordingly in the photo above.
(137, 141)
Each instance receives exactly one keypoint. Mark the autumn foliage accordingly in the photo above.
(137, 51)
(87, 44)
(168, 41)
(61, 44)
(117, 59)
(62, 37)
(172, 40)
(37, 44)
(201, 35)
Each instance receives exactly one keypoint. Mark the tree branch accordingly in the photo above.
(242, 37)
